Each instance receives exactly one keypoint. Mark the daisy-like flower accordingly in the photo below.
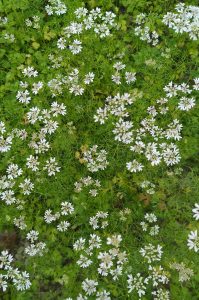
(89, 78)
(79, 244)
(151, 253)
(8, 197)
(5, 260)
(51, 166)
(49, 217)
(21, 281)
(137, 283)
(66, 208)
(32, 163)
(186, 103)
(76, 47)
(27, 186)
(58, 109)
(171, 89)
(193, 241)
(130, 77)
(89, 286)
(13, 171)
(61, 43)
(63, 226)
(5, 143)
(196, 211)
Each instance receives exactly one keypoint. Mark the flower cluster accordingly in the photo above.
(185, 19)
(149, 224)
(66, 209)
(116, 77)
(73, 81)
(34, 247)
(111, 259)
(56, 7)
(19, 279)
(185, 273)
(33, 22)
(193, 238)
(94, 221)
(156, 143)
(144, 32)
(156, 276)
(100, 23)
(5, 139)
(88, 181)
(95, 160)
(148, 186)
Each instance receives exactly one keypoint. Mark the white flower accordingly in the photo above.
(13, 171)
(196, 211)
(76, 47)
(51, 166)
(137, 283)
(58, 109)
(32, 163)
(130, 77)
(5, 259)
(23, 96)
(114, 240)
(94, 241)
(49, 217)
(89, 286)
(196, 85)
(33, 115)
(8, 197)
(193, 241)
(5, 143)
(27, 186)
(63, 226)
(3, 283)
(134, 166)
(103, 295)
(22, 282)
(150, 217)
(171, 89)
(96, 160)
(84, 262)
(81, 12)
(79, 244)
(32, 235)
(20, 222)
(36, 87)
(76, 89)
(66, 208)
(116, 78)
(161, 294)
(186, 103)
(61, 43)
(30, 72)
(89, 78)
(151, 253)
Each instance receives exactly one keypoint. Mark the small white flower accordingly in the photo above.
(193, 241)
(196, 211)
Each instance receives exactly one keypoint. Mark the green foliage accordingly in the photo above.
(56, 274)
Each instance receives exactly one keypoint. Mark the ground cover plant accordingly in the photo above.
(99, 150)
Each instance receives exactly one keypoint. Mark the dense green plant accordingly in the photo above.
(70, 189)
